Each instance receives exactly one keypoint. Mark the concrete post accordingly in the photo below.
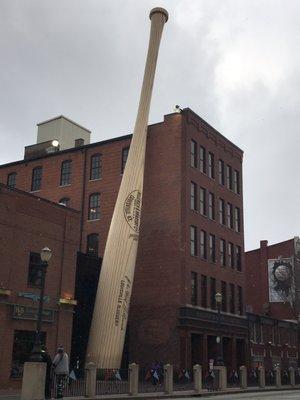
(261, 377)
(90, 387)
(34, 379)
(292, 376)
(243, 377)
(222, 384)
(168, 378)
(133, 379)
(278, 377)
(197, 378)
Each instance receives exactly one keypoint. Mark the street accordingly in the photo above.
(278, 395)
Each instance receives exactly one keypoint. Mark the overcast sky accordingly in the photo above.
(235, 63)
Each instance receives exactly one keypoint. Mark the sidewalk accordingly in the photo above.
(16, 394)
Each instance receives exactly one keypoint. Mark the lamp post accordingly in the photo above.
(218, 297)
(46, 254)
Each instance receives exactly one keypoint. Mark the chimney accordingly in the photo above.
(79, 142)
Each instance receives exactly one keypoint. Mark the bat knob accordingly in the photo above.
(161, 11)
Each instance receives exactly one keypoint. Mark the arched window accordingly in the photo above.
(96, 167)
(11, 179)
(94, 206)
(65, 201)
(92, 244)
(65, 173)
(36, 182)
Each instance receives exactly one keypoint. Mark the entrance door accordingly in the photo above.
(240, 352)
(197, 349)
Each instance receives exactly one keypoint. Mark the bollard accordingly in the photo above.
(33, 382)
(261, 377)
(133, 379)
(292, 376)
(168, 379)
(197, 378)
(222, 384)
(278, 377)
(243, 377)
(90, 387)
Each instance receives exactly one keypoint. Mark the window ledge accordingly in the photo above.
(95, 180)
(92, 220)
(35, 191)
(68, 184)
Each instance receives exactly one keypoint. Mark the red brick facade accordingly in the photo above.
(28, 224)
(163, 322)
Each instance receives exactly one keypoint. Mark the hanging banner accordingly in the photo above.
(281, 280)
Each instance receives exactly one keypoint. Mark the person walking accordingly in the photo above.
(47, 359)
(61, 370)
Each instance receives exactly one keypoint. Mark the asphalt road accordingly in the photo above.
(278, 395)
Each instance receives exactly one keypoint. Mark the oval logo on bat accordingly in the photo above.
(132, 209)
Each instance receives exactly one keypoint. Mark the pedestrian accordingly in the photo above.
(61, 370)
(47, 359)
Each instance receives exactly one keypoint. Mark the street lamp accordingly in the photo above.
(46, 254)
(218, 298)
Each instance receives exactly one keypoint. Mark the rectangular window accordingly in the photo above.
(34, 277)
(96, 167)
(203, 253)
(202, 201)
(240, 300)
(228, 176)
(92, 244)
(203, 291)
(211, 165)
(22, 347)
(11, 179)
(94, 206)
(65, 174)
(223, 252)
(238, 258)
(236, 181)
(237, 220)
(193, 196)
(231, 298)
(211, 205)
(230, 255)
(222, 211)
(193, 240)
(212, 248)
(194, 291)
(224, 296)
(229, 216)
(221, 173)
(193, 154)
(125, 152)
(202, 159)
(213, 293)
(36, 182)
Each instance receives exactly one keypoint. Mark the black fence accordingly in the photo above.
(67, 386)
(183, 379)
(151, 380)
(233, 378)
(252, 377)
(270, 377)
(112, 381)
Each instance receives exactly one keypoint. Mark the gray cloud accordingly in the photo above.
(236, 63)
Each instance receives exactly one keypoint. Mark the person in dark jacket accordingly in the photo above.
(47, 359)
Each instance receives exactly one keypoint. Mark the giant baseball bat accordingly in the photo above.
(108, 328)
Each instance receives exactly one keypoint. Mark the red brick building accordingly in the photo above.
(191, 242)
(273, 318)
(28, 224)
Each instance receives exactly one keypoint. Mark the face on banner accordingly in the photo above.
(281, 280)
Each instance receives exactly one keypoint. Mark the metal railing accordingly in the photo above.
(252, 377)
(151, 380)
(233, 378)
(183, 379)
(112, 381)
(65, 386)
(270, 377)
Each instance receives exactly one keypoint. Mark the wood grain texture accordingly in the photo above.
(108, 328)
